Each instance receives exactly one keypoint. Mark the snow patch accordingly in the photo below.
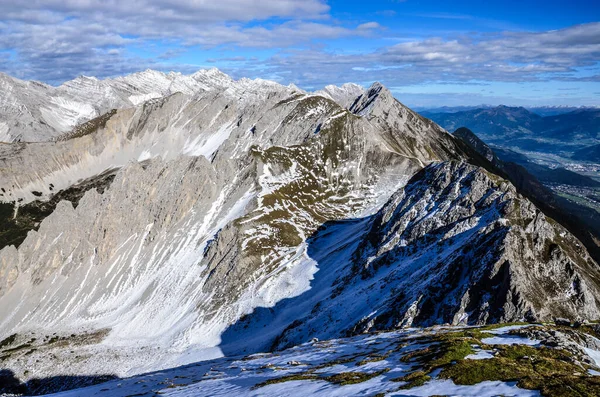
(480, 355)
(207, 145)
(510, 340)
(594, 355)
(139, 99)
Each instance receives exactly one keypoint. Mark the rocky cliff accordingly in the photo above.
(250, 215)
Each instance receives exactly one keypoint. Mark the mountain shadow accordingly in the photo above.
(261, 329)
(10, 384)
(346, 284)
(456, 246)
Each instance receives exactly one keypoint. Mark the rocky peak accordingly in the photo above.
(212, 76)
(344, 95)
(511, 244)
(376, 95)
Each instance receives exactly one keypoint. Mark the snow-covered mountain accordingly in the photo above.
(207, 217)
(345, 95)
(34, 112)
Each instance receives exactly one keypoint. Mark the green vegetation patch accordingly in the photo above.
(341, 379)
(414, 379)
(287, 378)
(372, 358)
(447, 348)
(351, 378)
(552, 371)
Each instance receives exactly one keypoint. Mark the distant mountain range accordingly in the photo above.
(519, 127)
(539, 110)
(590, 153)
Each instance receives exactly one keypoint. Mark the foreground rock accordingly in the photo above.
(487, 361)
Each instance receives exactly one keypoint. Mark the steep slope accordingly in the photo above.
(388, 115)
(36, 112)
(590, 153)
(582, 221)
(457, 245)
(512, 255)
(30, 110)
(252, 204)
(205, 220)
(467, 136)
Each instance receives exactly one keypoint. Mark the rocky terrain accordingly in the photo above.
(514, 360)
(207, 217)
(31, 111)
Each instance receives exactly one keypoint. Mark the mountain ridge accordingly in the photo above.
(77, 101)
(226, 204)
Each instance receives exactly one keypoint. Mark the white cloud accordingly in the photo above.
(54, 40)
(198, 11)
(368, 26)
(501, 57)
(58, 39)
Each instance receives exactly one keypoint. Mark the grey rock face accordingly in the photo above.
(35, 112)
(345, 95)
(510, 256)
(457, 245)
(205, 221)
(244, 198)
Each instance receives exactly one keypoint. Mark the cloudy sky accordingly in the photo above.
(429, 52)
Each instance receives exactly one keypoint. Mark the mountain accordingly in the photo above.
(448, 109)
(579, 125)
(520, 128)
(455, 246)
(590, 153)
(480, 147)
(203, 218)
(538, 110)
(31, 111)
(215, 217)
(498, 122)
(581, 220)
(557, 110)
(344, 95)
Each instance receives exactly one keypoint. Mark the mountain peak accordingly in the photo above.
(211, 73)
(345, 95)
(377, 93)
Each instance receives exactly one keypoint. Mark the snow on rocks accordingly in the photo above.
(362, 365)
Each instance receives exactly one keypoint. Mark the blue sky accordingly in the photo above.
(429, 53)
